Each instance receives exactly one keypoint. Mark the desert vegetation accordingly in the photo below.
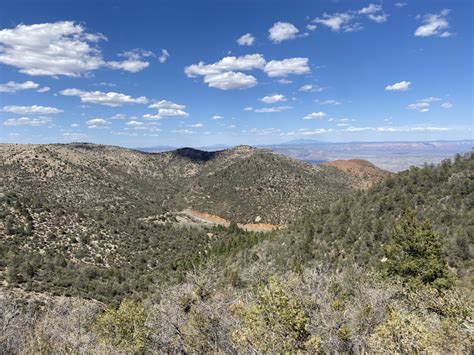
(384, 269)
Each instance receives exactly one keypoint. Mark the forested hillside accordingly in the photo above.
(388, 269)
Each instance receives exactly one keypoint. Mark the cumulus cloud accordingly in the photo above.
(434, 25)
(230, 81)
(284, 81)
(27, 121)
(163, 56)
(311, 27)
(446, 105)
(112, 99)
(246, 40)
(226, 74)
(166, 109)
(12, 86)
(288, 66)
(59, 48)
(400, 4)
(217, 117)
(337, 21)
(271, 99)
(315, 116)
(134, 61)
(400, 86)
(226, 64)
(282, 31)
(97, 123)
(374, 12)
(35, 109)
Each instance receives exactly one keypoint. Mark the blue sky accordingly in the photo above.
(145, 73)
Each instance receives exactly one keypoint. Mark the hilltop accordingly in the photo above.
(240, 184)
(365, 173)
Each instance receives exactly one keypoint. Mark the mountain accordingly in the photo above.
(96, 254)
(363, 171)
(86, 208)
(239, 184)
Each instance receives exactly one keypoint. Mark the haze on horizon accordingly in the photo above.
(140, 74)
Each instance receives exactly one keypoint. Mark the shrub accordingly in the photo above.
(124, 327)
(277, 322)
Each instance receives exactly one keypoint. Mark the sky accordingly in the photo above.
(200, 73)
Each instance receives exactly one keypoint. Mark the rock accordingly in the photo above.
(258, 219)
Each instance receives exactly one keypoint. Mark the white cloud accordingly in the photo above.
(222, 75)
(434, 25)
(217, 117)
(272, 109)
(163, 56)
(60, 48)
(35, 109)
(230, 81)
(196, 125)
(246, 40)
(134, 123)
(310, 88)
(184, 131)
(226, 64)
(315, 116)
(103, 83)
(371, 9)
(284, 81)
(167, 109)
(374, 12)
(134, 61)
(337, 21)
(119, 116)
(400, 4)
(419, 106)
(271, 99)
(74, 136)
(446, 105)
(226, 74)
(249, 108)
(314, 131)
(165, 104)
(397, 129)
(282, 31)
(112, 99)
(284, 67)
(400, 86)
(311, 27)
(430, 99)
(97, 123)
(328, 102)
(26, 121)
(44, 89)
(12, 86)
(380, 18)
